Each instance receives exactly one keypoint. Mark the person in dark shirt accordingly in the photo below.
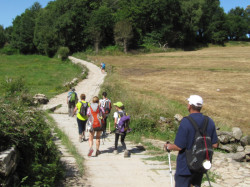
(184, 140)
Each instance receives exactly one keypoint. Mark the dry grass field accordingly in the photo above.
(221, 75)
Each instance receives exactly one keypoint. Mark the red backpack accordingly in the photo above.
(96, 119)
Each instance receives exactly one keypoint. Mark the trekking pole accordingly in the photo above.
(170, 169)
(208, 180)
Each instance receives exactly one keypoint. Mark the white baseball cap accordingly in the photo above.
(195, 100)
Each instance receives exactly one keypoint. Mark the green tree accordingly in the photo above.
(23, 30)
(212, 25)
(123, 33)
(237, 24)
(100, 26)
(2, 36)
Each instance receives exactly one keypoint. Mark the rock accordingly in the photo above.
(237, 133)
(247, 158)
(240, 149)
(8, 161)
(224, 138)
(227, 148)
(245, 140)
(41, 99)
(229, 134)
(239, 156)
(163, 120)
(247, 149)
(178, 117)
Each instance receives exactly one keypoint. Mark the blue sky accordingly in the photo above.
(9, 9)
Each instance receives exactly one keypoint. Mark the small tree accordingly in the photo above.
(123, 33)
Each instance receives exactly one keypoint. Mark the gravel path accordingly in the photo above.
(107, 169)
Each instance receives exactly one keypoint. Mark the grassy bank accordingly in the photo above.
(41, 74)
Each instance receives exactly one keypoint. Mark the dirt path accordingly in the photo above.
(107, 169)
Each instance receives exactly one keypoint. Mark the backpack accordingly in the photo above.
(72, 97)
(107, 106)
(96, 120)
(201, 150)
(83, 109)
(123, 125)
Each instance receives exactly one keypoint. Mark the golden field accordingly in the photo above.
(221, 75)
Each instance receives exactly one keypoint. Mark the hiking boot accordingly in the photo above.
(126, 153)
(97, 153)
(115, 152)
(90, 152)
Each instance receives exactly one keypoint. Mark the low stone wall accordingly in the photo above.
(237, 145)
(8, 163)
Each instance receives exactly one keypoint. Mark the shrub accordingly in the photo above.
(25, 127)
(63, 53)
(8, 50)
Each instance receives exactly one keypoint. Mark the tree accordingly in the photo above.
(23, 30)
(212, 25)
(100, 26)
(123, 33)
(2, 36)
(237, 24)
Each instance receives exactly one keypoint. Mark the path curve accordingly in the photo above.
(107, 169)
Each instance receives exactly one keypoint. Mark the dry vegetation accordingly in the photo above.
(221, 75)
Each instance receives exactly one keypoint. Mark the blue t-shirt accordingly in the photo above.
(185, 138)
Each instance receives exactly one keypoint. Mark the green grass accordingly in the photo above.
(68, 144)
(41, 74)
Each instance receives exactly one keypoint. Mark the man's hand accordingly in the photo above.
(166, 146)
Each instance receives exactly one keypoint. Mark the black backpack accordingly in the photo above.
(83, 109)
(201, 150)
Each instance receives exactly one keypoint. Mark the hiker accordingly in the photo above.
(117, 116)
(95, 114)
(71, 101)
(82, 117)
(105, 103)
(103, 67)
(184, 140)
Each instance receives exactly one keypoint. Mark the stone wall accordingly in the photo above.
(8, 163)
(237, 145)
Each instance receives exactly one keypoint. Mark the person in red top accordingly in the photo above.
(94, 107)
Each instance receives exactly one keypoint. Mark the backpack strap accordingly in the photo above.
(203, 130)
(204, 125)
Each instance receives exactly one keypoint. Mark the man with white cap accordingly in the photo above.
(184, 140)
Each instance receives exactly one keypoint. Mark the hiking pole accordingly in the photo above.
(208, 180)
(169, 162)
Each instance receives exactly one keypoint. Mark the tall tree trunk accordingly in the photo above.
(96, 47)
(125, 45)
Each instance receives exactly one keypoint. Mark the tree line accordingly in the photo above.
(130, 24)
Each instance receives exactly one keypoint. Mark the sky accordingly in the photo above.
(9, 9)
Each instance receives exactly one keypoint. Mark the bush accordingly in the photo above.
(25, 127)
(63, 53)
(8, 50)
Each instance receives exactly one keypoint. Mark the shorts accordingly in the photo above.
(186, 180)
(81, 125)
